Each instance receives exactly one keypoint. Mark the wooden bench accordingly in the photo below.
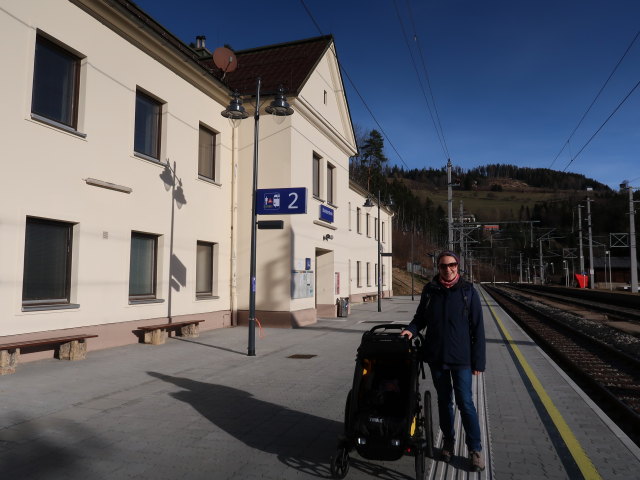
(367, 298)
(72, 347)
(157, 334)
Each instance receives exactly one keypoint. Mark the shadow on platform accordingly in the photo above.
(301, 441)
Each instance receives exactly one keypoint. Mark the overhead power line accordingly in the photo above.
(595, 99)
(436, 120)
(603, 124)
(353, 85)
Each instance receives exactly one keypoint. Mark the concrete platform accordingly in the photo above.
(200, 408)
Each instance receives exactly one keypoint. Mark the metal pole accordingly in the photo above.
(541, 265)
(449, 207)
(591, 269)
(251, 350)
(632, 241)
(580, 239)
(520, 267)
(379, 266)
(462, 252)
(412, 229)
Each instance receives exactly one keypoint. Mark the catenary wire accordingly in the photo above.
(596, 98)
(603, 124)
(426, 74)
(424, 93)
(353, 85)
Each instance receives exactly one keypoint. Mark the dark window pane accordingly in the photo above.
(47, 261)
(55, 83)
(147, 133)
(207, 154)
(316, 175)
(330, 171)
(142, 271)
(204, 269)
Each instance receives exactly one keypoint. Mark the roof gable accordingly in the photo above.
(288, 64)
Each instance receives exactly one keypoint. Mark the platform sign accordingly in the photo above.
(326, 213)
(281, 201)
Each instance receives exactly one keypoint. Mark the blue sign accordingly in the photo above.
(281, 201)
(326, 213)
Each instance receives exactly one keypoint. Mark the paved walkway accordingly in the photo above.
(200, 408)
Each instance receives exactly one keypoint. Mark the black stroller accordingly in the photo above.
(384, 417)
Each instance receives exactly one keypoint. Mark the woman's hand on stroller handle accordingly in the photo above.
(406, 333)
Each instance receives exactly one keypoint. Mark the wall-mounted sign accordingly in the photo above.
(326, 213)
(281, 201)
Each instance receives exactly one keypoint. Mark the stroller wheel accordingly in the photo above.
(420, 463)
(428, 424)
(340, 463)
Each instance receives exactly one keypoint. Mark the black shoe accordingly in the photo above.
(447, 450)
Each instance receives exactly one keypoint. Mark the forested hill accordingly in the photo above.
(485, 177)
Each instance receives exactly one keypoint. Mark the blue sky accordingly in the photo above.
(511, 78)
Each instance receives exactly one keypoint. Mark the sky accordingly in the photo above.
(511, 79)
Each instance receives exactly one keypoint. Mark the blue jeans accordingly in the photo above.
(459, 381)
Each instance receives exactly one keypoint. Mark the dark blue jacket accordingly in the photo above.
(455, 330)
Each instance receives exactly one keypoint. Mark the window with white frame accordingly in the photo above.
(207, 153)
(358, 213)
(367, 222)
(375, 227)
(47, 262)
(331, 176)
(316, 175)
(368, 274)
(143, 266)
(206, 269)
(376, 272)
(382, 228)
(56, 83)
(148, 126)
(358, 278)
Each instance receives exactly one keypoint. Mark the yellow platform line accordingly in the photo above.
(585, 465)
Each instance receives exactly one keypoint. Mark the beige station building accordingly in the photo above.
(126, 199)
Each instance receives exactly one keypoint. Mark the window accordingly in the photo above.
(358, 279)
(143, 266)
(367, 225)
(382, 228)
(207, 153)
(384, 280)
(206, 285)
(56, 80)
(148, 126)
(316, 175)
(368, 274)
(358, 220)
(47, 262)
(349, 216)
(375, 227)
(376, 271)
(330, 180)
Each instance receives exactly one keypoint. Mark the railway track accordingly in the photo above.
(608, 374)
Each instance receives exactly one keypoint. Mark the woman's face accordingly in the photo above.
(448, 268)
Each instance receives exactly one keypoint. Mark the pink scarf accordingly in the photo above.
(450, 284)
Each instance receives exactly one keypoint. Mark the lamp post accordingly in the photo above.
(632, 237)
(368, 204)
(235, 111)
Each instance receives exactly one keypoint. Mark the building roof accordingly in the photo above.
(288, 64)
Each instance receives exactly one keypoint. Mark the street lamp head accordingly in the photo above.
(235, 110)
(279, 106)
(368, 203)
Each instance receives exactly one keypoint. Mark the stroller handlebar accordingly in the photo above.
(418, 338)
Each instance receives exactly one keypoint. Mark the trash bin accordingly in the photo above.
(343, 307)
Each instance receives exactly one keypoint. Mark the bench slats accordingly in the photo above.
(43, 341)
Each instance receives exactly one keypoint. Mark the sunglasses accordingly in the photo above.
(448, 265)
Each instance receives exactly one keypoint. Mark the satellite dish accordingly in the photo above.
(225, 59)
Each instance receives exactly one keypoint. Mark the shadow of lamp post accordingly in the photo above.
(236, 112)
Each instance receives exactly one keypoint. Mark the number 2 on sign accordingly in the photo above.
(295, 199)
